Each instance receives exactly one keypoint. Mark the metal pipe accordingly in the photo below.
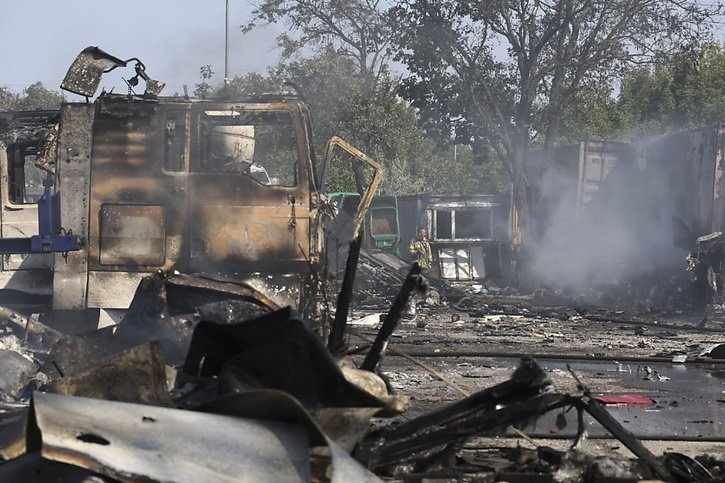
(567, 357)
(377, 351)
(344, 299)
(651, 437)
(647, 323)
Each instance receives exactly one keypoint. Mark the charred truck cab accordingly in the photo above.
(199, 187)
(226, 189)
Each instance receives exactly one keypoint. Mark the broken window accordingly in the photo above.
(444, 225)
(261, 145)
(25, 179)
(384, 222)
(464, 224)
(473, 223)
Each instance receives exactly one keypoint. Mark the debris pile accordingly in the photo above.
(212, 381)
(379, 274)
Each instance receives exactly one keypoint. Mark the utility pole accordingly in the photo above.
(226, 43)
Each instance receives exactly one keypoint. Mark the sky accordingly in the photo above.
(173, 38)
(40, 38)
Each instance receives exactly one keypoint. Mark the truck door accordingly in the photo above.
(249, 191)
(139, 198)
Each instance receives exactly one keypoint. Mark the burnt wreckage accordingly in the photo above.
(206, 381)
(214, 377)
(138, 183)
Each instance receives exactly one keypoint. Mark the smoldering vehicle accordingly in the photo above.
(138, 183)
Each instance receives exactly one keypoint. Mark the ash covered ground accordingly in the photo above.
(613, 352)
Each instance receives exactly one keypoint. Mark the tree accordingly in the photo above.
(204, 89)
(686, 93)
(8, 99)
(354, 29)
(462, 84)
(593, 113)
(34, 97)
(365, 108)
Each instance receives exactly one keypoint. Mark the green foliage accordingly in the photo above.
(687, 93)
(8, 99)
(592, 114)
(34, 97)
(204, 89)
(455, 166)
(354, 29)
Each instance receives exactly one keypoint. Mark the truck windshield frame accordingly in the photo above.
(261, 145)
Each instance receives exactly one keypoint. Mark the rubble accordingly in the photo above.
(208, 378)
(202, 370)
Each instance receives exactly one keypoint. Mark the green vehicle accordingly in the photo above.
(381, 229)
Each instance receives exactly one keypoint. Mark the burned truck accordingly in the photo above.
(131, 184)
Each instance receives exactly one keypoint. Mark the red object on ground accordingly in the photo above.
(626, 399)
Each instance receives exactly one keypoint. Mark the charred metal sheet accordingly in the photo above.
(520, 398)
(187, 291)
(85, 72)
(134, 442)
(95, 346)
(153, 88)
(167, 306)
(34, 468)
(267, 405)
(137, 375)
(275, 351)
(329, 458)
(164, 309)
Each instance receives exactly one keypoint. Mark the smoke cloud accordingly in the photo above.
(623, 235)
